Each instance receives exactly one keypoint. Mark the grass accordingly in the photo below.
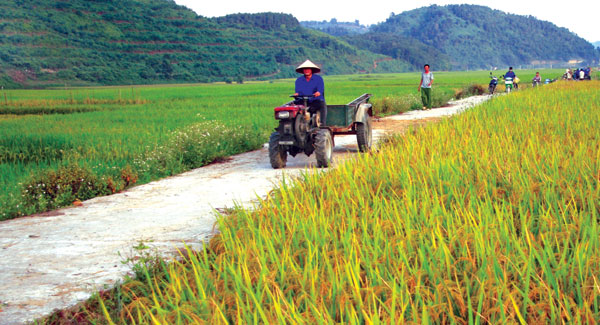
(110, 131)
(489, 217)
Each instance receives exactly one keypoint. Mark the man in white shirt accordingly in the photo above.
(425, 87)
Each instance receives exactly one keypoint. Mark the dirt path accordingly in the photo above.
(57, 259)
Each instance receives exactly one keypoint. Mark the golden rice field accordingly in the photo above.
(492, 216)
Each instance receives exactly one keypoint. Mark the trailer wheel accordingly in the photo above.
(323, 148)
(277, 153)
(364, 135)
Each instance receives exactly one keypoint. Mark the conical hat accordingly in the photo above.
(308, 64)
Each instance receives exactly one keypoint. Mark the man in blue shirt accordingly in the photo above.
(509, 79)
(510, 73)
(312, 84)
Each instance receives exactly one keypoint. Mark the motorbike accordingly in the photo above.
(493, 84)
(508, 83)
(535, 82)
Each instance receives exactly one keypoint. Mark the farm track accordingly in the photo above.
(59, 258)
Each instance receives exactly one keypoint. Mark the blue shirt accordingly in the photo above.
(307, 88)
(510, 74)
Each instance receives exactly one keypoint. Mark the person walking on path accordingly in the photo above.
(425, 87)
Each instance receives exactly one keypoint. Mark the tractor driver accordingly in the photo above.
(312, 84)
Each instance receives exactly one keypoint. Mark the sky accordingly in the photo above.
(579, 16)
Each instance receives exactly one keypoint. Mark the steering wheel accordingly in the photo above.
(302, 97)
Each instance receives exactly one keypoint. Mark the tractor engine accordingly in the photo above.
(293, 128)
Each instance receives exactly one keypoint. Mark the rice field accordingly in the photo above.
(115, 137)
(491, 216)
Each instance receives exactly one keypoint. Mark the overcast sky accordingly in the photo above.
(579, 16)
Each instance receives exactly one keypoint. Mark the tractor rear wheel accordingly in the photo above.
(277, 153)
(364, 135)
(323, 148)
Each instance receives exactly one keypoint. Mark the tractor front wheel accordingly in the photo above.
(323, 148)
(277, 153)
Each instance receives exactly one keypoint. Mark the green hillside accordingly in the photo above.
(79, 42)
(479, 37)
(401, 47)
(463, 37)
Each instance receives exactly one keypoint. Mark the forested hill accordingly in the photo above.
(103, 42)
(474, 37)
(463, 37)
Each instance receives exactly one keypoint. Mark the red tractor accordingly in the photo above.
(301, 131)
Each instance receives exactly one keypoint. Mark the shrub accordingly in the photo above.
(470, 90)
(55, 188)
(196, 146)
(440, 98)
(394, 104)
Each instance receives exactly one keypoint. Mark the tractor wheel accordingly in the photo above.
(323, 148)
(277, 153)
(364, 135)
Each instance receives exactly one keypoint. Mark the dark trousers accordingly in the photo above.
(426, 97)
(320, 106)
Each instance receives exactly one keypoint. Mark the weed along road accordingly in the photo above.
(57, 259)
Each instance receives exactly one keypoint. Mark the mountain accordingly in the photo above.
(104, 42)
(479, 37)
(463, 37)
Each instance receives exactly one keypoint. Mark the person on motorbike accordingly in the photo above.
(311, 84)
(508, 78)
(510, 73)
(568, 74)
(537, 80)
(493, 83)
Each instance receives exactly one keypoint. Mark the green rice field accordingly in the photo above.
(492, 216)
(62, 145)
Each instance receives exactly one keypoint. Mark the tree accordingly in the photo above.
(166, 69)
